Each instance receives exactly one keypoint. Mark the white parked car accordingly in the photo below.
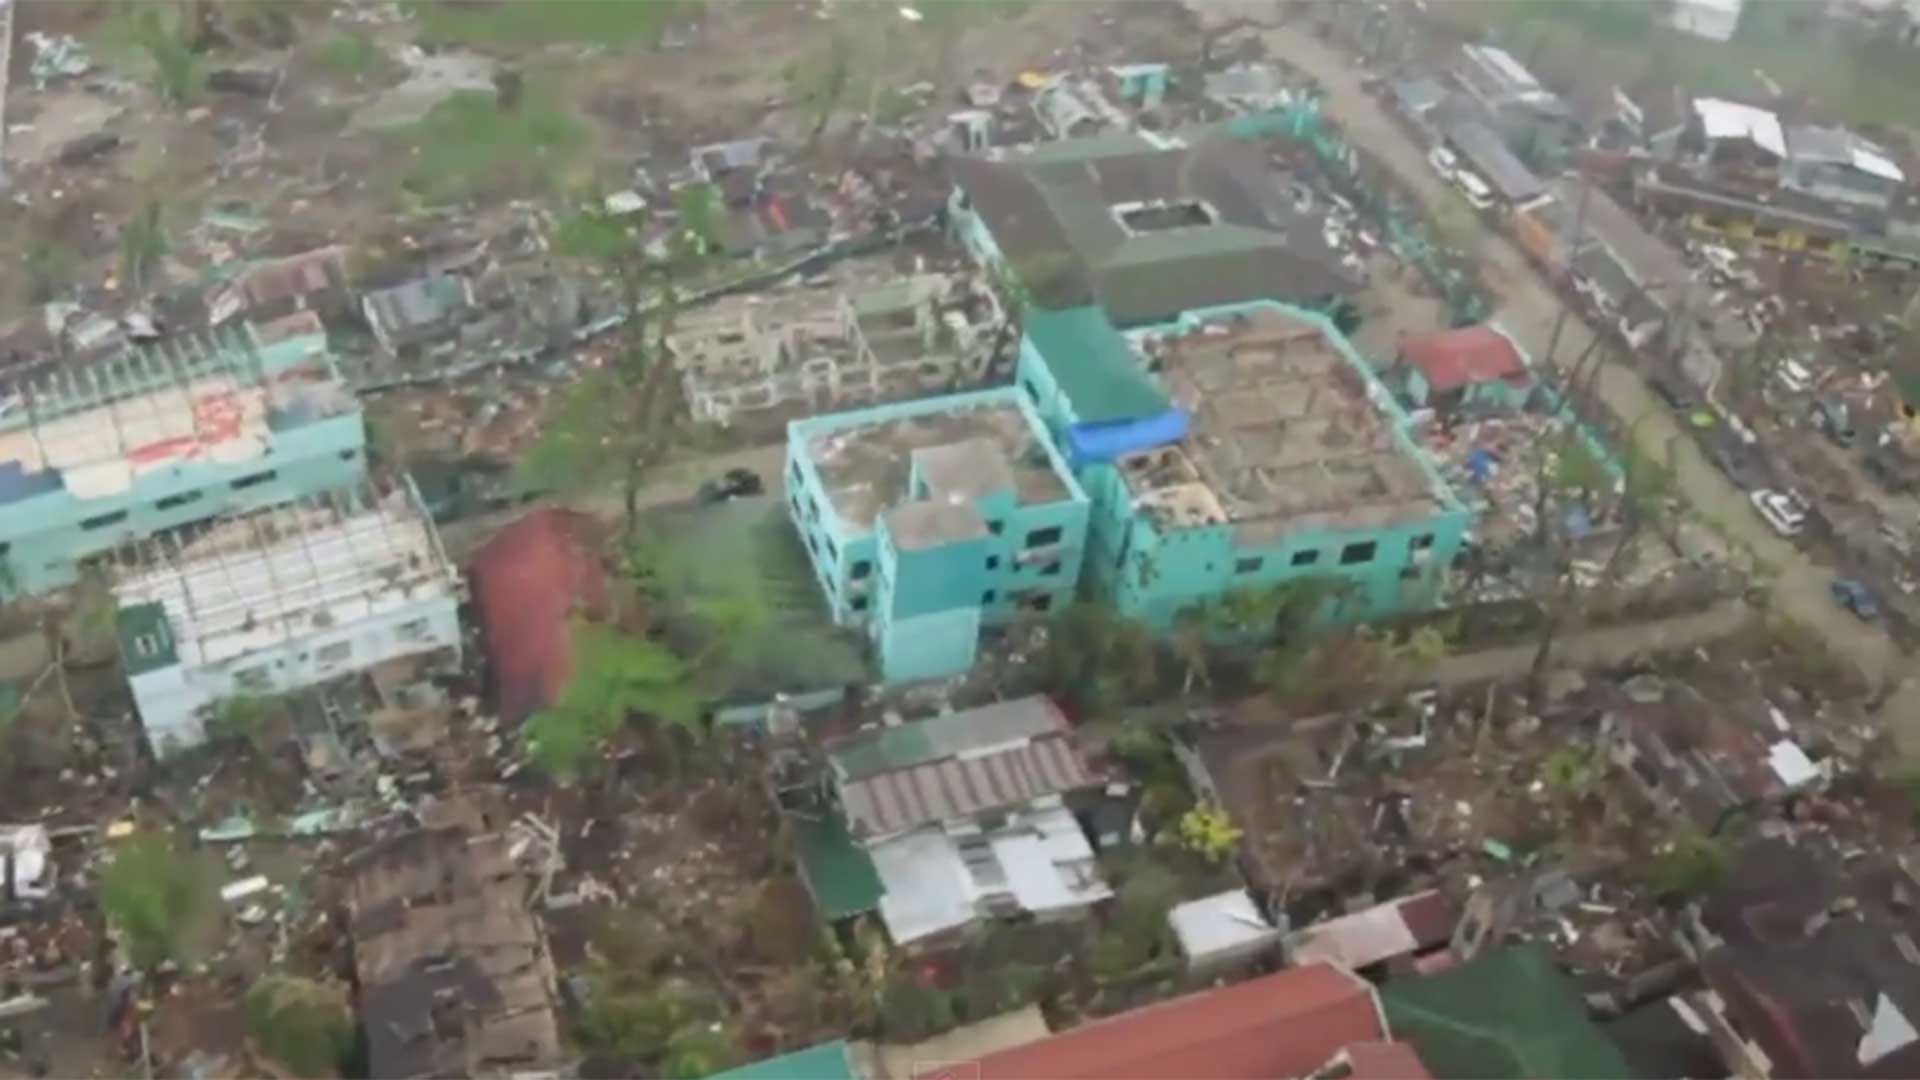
(1475, 189)
(1781, 509)
(1794, 376)
(1444, 162)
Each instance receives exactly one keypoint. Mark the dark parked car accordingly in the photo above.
(734, 484)
(1856, 597)
(1676, 391)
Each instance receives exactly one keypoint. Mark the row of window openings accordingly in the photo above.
(172, 502)
(328, 655)
(1031, 600)
(861, 568)
(1354, 554)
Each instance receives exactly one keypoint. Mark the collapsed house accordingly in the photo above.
(451, 965)
(1811, 966)
(272, 601)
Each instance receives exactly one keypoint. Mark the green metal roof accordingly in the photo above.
(838, 871)
(1505, 1015)
(1093, 364)
(146, 638)
(827, 1061)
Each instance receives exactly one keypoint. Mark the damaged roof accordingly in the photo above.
(1451, 359)
(1286, 1024)
(527, 583)
(1818, 963)
(1057, 216)
(965, 763)
(454, 974)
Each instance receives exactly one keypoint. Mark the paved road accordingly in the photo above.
(1599, 648)
(1528, 308)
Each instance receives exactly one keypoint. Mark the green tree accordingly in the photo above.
(303, 1024)
(177, 72)
(818, 82)
(1206, 831)
(1094, 659)
(1136, 931)
(151, 892)
(1575, 484)
(617, 423)
(1689, 865)
(700, 1051)
(615, 676)
(143, 244)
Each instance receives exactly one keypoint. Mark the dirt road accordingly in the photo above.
(1528, 307)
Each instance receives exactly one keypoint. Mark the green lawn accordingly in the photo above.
(547, 22)
(1854, 74)
(467, 147)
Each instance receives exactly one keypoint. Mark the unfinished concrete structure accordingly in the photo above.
(108, 453)
(452, 968)
(273, 601)
(800, 351)
(1296, 463)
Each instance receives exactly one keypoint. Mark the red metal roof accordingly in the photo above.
(1285, 1024)
(1385, 1061)
(527, 582)
(1451, 359)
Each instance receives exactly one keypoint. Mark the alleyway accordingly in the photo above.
(1528, 306)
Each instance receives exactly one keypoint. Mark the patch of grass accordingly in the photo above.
(467, 146)
(349, 54)
(548, 22)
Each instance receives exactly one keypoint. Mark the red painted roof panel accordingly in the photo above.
(1286, 1024)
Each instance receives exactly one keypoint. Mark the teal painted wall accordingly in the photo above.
(927, 604)
(996, 578)
(1151, 573)
(44, 537)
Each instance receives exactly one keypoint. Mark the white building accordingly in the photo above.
(1715, 20)
(270, 602)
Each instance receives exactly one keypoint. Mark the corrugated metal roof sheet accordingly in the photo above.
(959, 787)
(1733, 120)
(1286, 1024)
(1491, 159)
(953, 766)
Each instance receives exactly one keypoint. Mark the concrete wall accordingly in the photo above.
(846, 561)
(44, 537)
(1154, 573)
(173, 700)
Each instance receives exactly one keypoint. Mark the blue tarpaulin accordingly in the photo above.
(1090, 443)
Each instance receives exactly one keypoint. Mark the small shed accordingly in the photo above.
(1221, 932)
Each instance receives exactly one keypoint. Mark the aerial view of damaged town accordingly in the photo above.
(960, 539)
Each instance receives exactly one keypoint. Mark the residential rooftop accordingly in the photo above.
(241, 584)
(864, 459)
(965, 763)
(94, 430)
(1288, 426)
(1148, 229)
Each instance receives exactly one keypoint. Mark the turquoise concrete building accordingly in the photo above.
(1238, 448)
(103, 455)
(927, 521)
